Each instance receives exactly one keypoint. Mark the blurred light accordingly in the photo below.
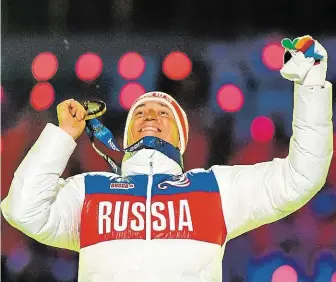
(276, 101)
(177, 65)
(285, 273)
(129, 93)
(2, 95)
(262, 129)
(131, 65)
(18, 259)
(333, 277)
(44, 66)
(63, 270)
(262, 268)
(324, 268)
(88, 66)
(272, 56)
(230, 98)
(42, 96)
(324, 203)
(332, 169)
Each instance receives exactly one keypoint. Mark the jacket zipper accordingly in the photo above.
(148, 203)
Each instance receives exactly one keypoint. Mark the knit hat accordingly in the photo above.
(179, 115)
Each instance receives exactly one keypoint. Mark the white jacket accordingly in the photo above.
(157, 223)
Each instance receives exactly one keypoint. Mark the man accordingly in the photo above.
(156, 222)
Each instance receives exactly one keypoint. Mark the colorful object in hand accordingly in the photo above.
(305, 44)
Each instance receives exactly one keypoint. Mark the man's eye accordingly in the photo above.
(139, 113)
(163, 113)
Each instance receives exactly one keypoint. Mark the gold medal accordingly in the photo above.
(94, 108)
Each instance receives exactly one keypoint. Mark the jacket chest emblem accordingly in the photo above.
(176, 181)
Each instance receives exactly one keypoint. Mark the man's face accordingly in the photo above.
(153, 119)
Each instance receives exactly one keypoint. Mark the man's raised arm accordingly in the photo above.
(254, 195)
(40, 203)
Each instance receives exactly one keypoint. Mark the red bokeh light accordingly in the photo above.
(262, 129)
(272, 56)
(177, 65)
(230, 98)
(129, 93)
(333, 277)
(2, 95)
(131, 65)
(42, 96)
(88, 66)
(44, 66)
(285, 273)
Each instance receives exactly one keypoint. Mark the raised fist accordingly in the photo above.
(71, 117)
(305, 61)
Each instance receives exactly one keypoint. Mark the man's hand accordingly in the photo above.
(306, 61)
(71, 117)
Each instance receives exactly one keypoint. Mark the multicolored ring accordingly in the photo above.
(305, 44)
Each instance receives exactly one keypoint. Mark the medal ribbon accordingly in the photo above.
(96, 130)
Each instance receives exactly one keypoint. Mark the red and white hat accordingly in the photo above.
(179, 115)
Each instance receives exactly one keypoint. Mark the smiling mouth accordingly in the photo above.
(150, 128)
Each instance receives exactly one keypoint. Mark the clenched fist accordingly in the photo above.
(71, 117)
(305, 61)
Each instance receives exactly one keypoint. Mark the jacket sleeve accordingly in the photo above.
(40, 203)
(254, 195)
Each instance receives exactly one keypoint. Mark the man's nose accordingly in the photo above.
(151, 115)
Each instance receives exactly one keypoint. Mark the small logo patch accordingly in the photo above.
(122, 186)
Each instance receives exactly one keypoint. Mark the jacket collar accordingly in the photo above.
(140, 162)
